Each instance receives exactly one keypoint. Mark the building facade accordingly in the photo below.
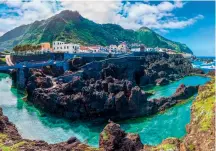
(45, 46)
(122, 47)
(59, 46)
(84, 49)
(113, 48)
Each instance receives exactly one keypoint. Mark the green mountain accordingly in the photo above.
(69, 26)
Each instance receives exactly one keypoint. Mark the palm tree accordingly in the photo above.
(26, 47)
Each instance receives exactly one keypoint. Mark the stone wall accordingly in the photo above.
(38, 57)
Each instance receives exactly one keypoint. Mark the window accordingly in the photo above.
(67, 47)
(64, 47)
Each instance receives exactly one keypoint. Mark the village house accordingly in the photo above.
(150, 50)
(94, 48)
(59, 46)
(104, 49)
(90, 49)
(46, 47)
(135, 45)
(138, 47)
(113, 48)
(122, 47)
(157, 49)
(84, 49)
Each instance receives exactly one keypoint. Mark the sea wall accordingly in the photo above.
(32, 58)
(87, 57)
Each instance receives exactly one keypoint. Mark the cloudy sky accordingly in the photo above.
(188, 22)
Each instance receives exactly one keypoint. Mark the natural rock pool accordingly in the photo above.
(31, 123)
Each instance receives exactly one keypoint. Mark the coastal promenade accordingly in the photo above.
(8, 60)
(26, 63)
(21, 68)
(30, 65)
(93, 63)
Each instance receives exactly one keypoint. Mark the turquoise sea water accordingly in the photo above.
(168, 90)
(32, 124)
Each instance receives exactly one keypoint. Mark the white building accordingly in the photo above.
(150, 50)
(113, 48)
(187, 55)
(94, 48)
(59, 46)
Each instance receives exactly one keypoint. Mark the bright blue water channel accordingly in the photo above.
(32, 124)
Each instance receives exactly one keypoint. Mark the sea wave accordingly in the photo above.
(208, 67)
(204, 66)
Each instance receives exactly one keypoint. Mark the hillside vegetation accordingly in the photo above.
(69, 26)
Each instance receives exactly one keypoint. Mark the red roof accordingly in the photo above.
(94, 47)
(84, 48)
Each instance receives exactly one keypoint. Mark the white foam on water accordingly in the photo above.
(7, 98)
(208, 67)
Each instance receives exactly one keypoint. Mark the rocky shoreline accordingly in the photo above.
(200, 133)
(109, 89)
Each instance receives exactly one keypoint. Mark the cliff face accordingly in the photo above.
(201, 132)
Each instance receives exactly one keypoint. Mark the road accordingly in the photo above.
(8, 60)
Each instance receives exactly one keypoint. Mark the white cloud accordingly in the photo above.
(131, 15)
(28, 12)
(98, 11)
(1, 33)
(165, 6)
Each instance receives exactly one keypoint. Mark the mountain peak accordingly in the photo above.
(69, 12)
(144, 29)
(68, 15)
